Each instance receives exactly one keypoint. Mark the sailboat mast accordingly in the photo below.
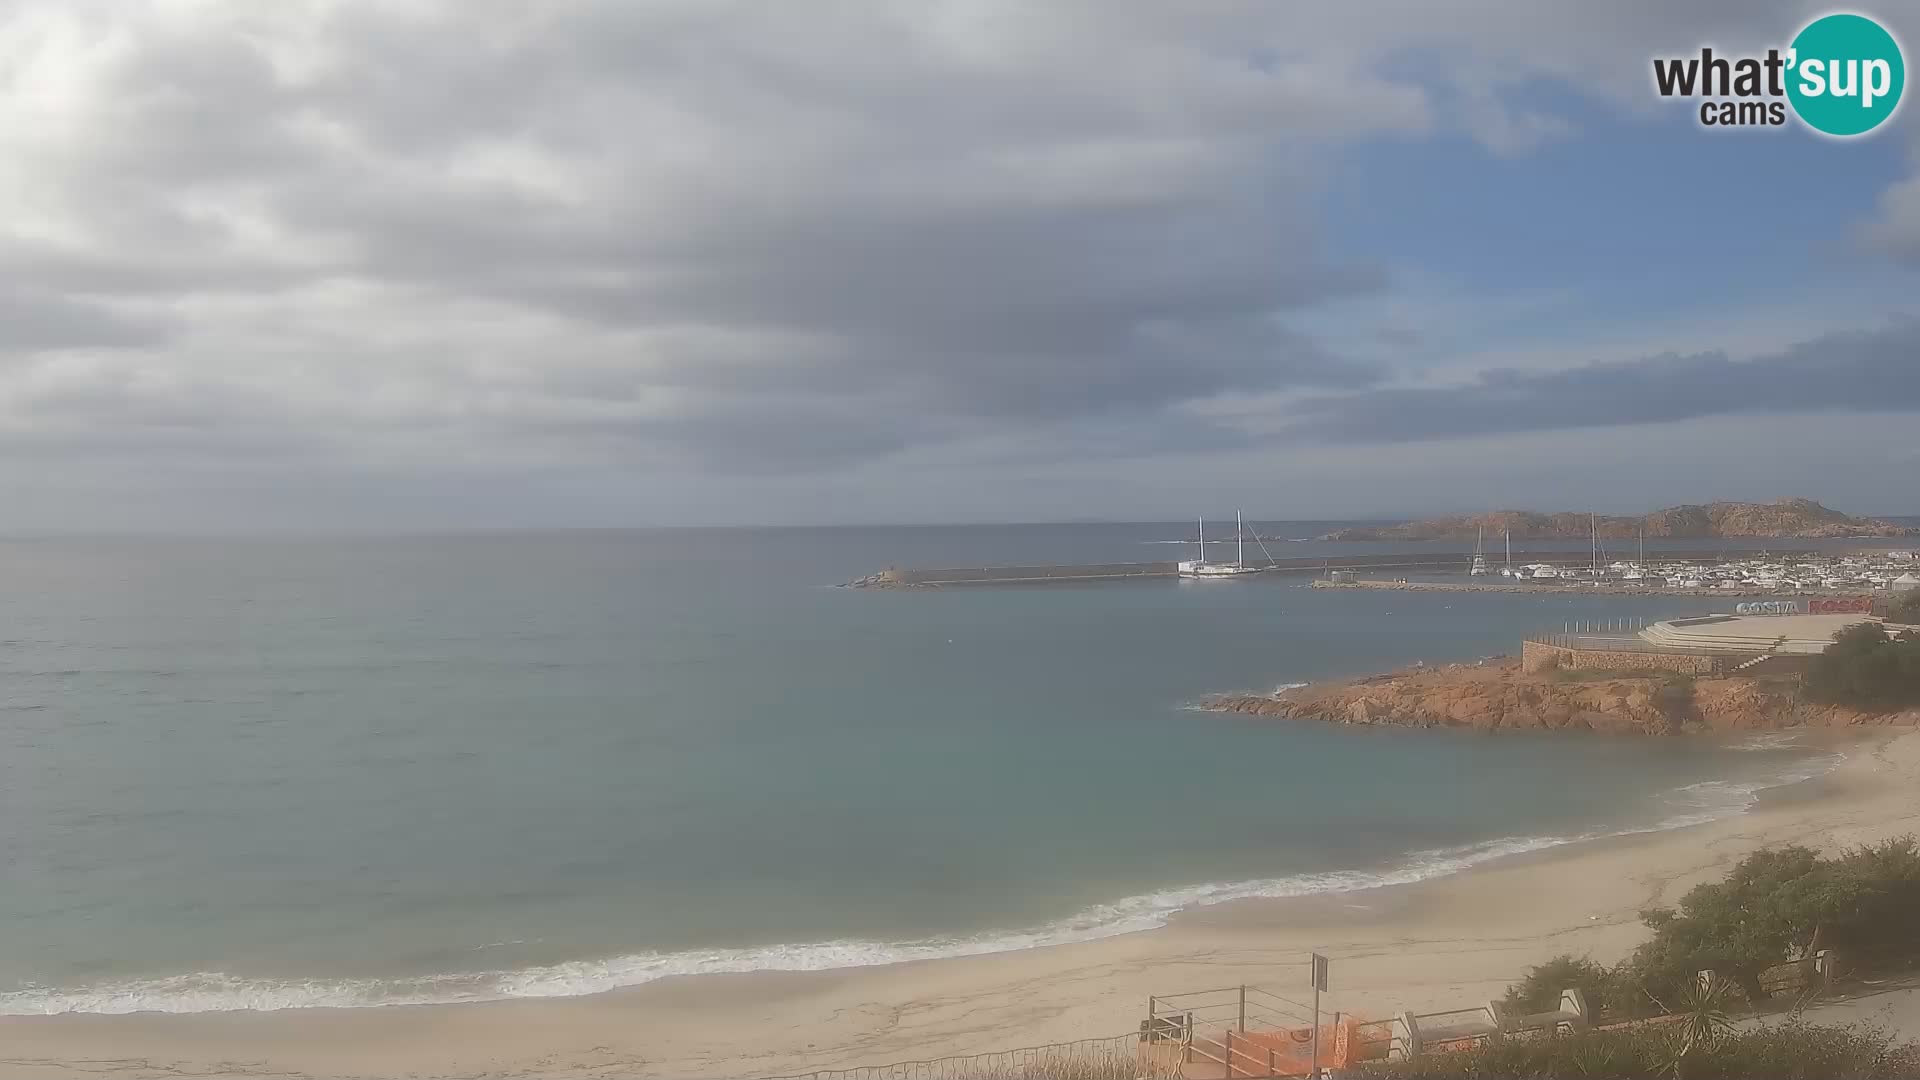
(1242, 532)
(1203, 539)
(1593, 559)
(1509, 549)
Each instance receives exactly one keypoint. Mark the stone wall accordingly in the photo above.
(1539, 656)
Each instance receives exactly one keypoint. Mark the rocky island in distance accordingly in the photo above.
(1785, 518)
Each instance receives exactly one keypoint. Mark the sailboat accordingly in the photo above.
(1479, 566)
(1201, 568)
(1507, 570)
(1593, 559)
(1637, 571)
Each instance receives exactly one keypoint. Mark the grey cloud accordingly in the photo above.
(34, 321)
(743, 236)
(906, 223)
(1874, 371)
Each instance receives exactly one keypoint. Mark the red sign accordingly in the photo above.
(1840, 605)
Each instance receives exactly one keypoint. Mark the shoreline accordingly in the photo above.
(1552, 587)
(1454, 938)
(1153, 908)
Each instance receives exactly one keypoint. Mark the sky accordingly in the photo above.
(429, 264)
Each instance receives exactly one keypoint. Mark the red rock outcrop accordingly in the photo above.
(1497, 696)
(1783, 518)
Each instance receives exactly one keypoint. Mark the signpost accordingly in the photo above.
(1319, 986)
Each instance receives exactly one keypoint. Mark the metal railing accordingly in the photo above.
(1239, 1005)
(1243, 1031)
(1250, 1031)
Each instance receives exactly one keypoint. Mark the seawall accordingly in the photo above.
(1015, 575)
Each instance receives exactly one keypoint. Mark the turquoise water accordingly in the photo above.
(276, 773)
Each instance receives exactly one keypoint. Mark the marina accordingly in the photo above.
(1600, 588)
(1669, 573)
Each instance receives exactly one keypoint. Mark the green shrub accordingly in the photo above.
(1539, 990)
(1766, 911)
(1789, 1051)
(1878, 888)
(1866, 668)
(1905, 607)
(1777, 906)
(1674, 699)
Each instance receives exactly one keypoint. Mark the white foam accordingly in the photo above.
(1693, 804)
(1711, 800)
(1770, 740)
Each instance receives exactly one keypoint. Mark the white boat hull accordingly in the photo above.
(1215, 570)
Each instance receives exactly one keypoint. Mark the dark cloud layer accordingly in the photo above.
(685, 238)
(1876, 371)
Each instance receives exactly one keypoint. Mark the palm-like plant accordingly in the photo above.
(1704, 1020)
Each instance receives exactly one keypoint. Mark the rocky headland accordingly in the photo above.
(1495, 695)
(1786, 518)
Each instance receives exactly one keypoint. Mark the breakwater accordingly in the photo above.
(1016, 575)
(1432, 562)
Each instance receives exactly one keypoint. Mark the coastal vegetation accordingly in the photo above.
(1539, 990)
(1777, 906)
(1866, 667)
(1789, 1051)
(1798, 518)
(1905, 607)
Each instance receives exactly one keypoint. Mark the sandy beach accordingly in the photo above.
(1449, 940)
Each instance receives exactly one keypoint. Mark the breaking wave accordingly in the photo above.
(221, 992)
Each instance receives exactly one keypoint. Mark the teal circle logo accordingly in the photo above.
(1845, 74)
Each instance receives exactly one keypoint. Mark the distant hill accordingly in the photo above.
(1796, 518)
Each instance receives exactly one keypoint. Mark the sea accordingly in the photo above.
(285, 772)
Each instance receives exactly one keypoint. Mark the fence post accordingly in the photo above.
(1410, 1040)
(1242, 1026)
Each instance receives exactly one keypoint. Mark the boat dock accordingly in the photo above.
(1610, 587)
